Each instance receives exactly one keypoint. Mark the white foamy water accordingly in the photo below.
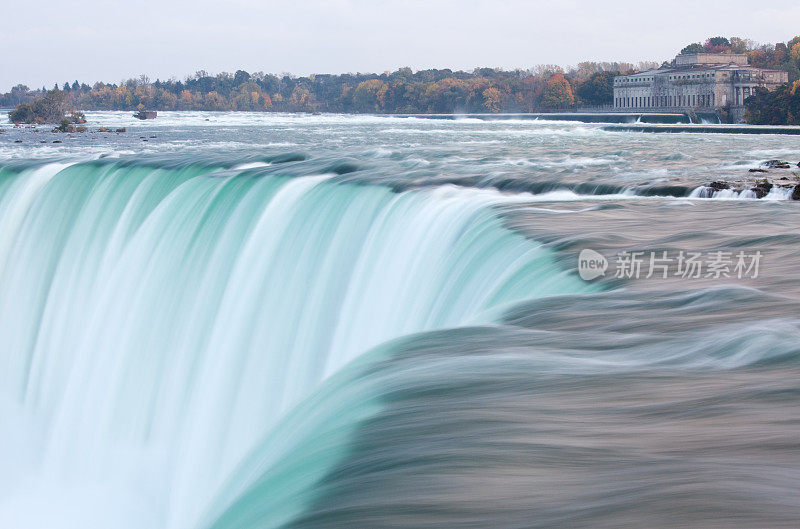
(221, 320)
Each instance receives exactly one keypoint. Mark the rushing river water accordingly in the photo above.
(219, 320)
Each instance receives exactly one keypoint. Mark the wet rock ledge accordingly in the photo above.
(769, 177)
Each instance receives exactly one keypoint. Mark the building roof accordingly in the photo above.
(695, 62)
(700, 68)
(686, 59)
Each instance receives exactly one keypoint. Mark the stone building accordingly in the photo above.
(696, 82)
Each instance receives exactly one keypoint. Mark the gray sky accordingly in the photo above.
(51, 41)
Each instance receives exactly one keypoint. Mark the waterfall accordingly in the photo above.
(163, 325)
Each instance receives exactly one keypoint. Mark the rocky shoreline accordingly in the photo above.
(775, 175)
(65, 127)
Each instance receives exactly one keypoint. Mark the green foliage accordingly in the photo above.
(712, 45)
(65, 126)
(240, 77)
(49, 109)
(740, 45)
(779, 107)
(370, 96)
(714, 42)
(598, 89)
(401, 91)
(781, 56)
(695, 47)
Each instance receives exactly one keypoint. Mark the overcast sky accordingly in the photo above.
(49, 41)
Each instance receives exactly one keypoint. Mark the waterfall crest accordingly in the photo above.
(163, 324)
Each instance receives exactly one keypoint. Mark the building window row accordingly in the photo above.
(701, 100)
(691, 76)
(633, 79)
(620, 80)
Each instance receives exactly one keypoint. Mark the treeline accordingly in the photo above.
(542, 88)
(779, 107)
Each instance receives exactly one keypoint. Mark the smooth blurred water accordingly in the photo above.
(513, 155)
(255, 320)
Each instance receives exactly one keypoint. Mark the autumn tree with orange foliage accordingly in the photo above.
(370, 96)
(558, 93)
(403, 91)
(492, 99)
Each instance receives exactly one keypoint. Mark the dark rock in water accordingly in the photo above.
(762, 189)
(776, 164)
(718, 185)
(796, 193)
(120, 130)
(146, 114)
(758, 171)
(66, 126)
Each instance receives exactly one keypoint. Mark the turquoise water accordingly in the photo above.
(177, 315)
(290, 337)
